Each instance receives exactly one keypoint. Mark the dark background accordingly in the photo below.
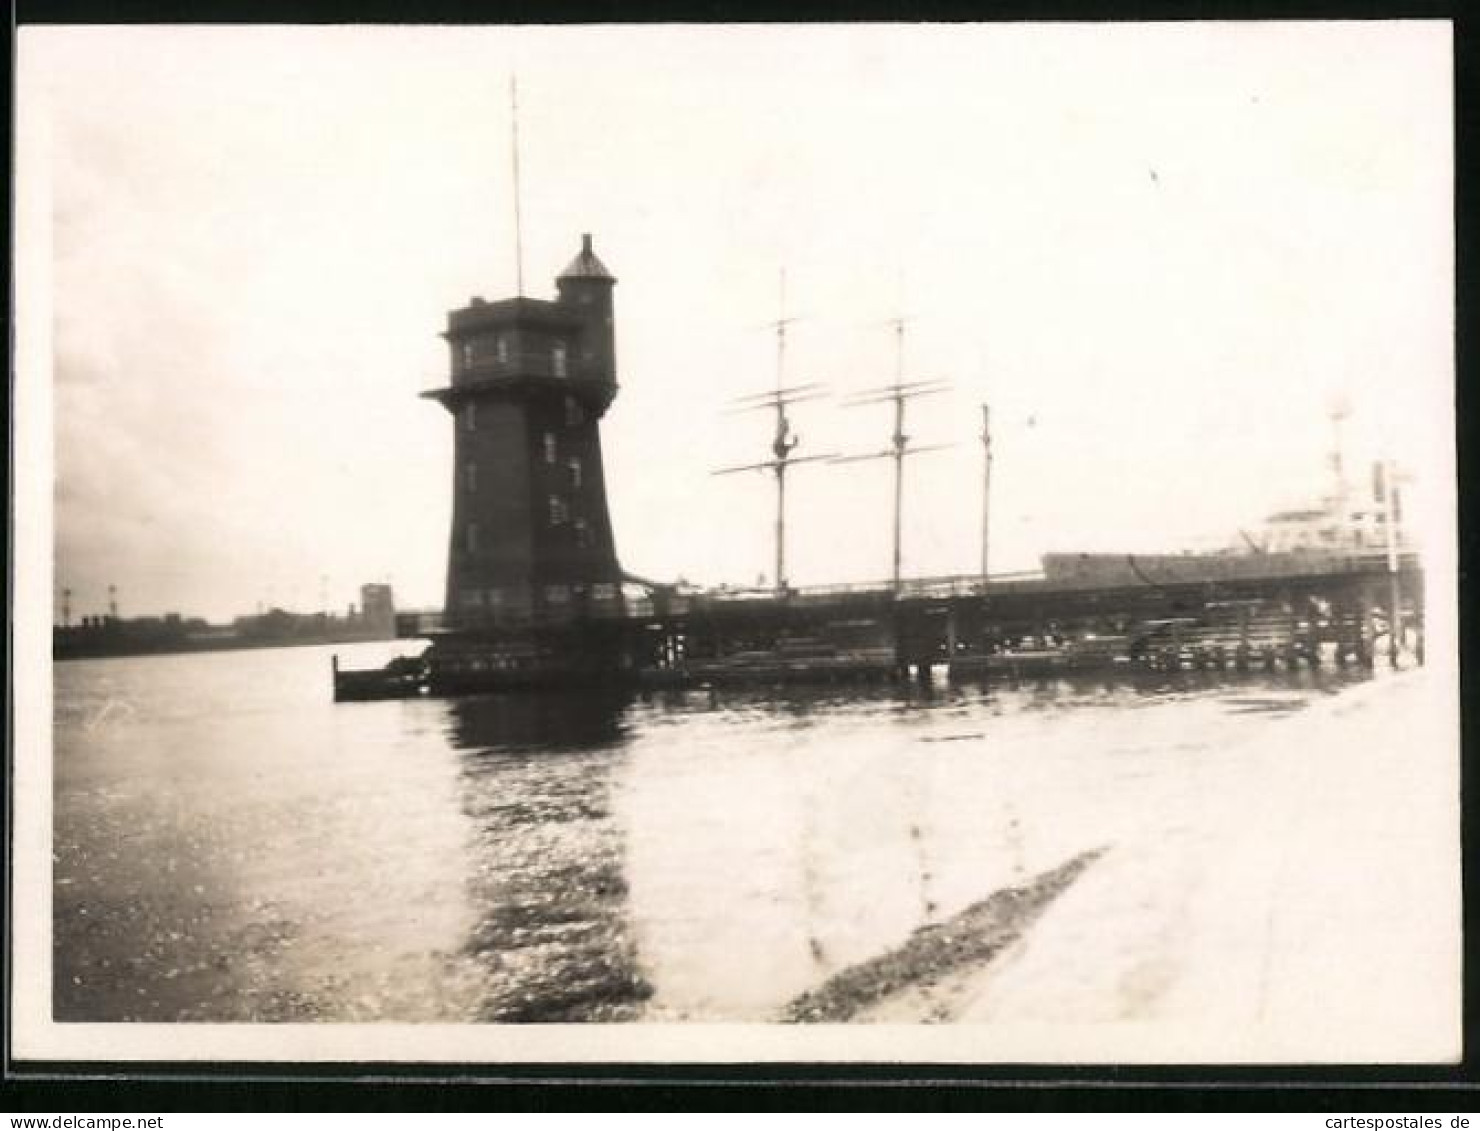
(147, 1088)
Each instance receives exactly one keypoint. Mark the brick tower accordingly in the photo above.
(531, 536)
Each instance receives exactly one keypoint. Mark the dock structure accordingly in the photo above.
(1081, 613)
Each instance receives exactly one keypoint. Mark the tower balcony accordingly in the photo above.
(520, 381)
(521, 363)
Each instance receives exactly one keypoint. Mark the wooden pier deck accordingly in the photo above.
(1082, 611)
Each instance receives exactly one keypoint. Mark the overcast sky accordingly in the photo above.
(1158, 252)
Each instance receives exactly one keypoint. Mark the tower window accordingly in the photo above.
(471, 538)
(549, 447)
(583, 533)
(501, 348)
(472, 476)
(575, 472)
(573, 413)
(559, 512)
(466, 353)
(557, 359)
(470, 416)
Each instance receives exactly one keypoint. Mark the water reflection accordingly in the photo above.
(223, 854)
(560, 721)
(1137, 686)
(546, 873)
(232, 848)
(774, 838)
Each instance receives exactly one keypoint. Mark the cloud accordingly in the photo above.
(258, 233)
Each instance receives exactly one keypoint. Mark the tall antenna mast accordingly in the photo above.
(784, 441)
(897, 393)
(518, 219)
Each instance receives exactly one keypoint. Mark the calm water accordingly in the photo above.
(231, 845)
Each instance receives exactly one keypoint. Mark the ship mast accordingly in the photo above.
(1389, 476)
(986, 483)
(784, 441)
(897, 394)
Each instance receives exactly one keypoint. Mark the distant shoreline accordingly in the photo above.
(176, 648)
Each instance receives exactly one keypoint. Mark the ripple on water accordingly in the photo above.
(230, 845)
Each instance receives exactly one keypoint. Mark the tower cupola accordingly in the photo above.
(585, 266)
(585, 287)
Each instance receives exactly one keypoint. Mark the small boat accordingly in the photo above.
(402, 678)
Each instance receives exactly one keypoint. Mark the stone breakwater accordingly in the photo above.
(937, 952)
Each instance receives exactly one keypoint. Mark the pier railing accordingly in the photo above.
(1094, 572)
(1066, 574)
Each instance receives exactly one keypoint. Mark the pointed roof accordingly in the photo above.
(586, 265)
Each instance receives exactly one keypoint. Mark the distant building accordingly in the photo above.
(378, 610)
(115, 636)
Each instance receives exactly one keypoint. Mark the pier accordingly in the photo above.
(1082, 611)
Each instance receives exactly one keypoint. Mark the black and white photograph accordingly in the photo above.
(736, 543)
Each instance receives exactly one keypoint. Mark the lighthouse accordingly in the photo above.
(530, 380)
